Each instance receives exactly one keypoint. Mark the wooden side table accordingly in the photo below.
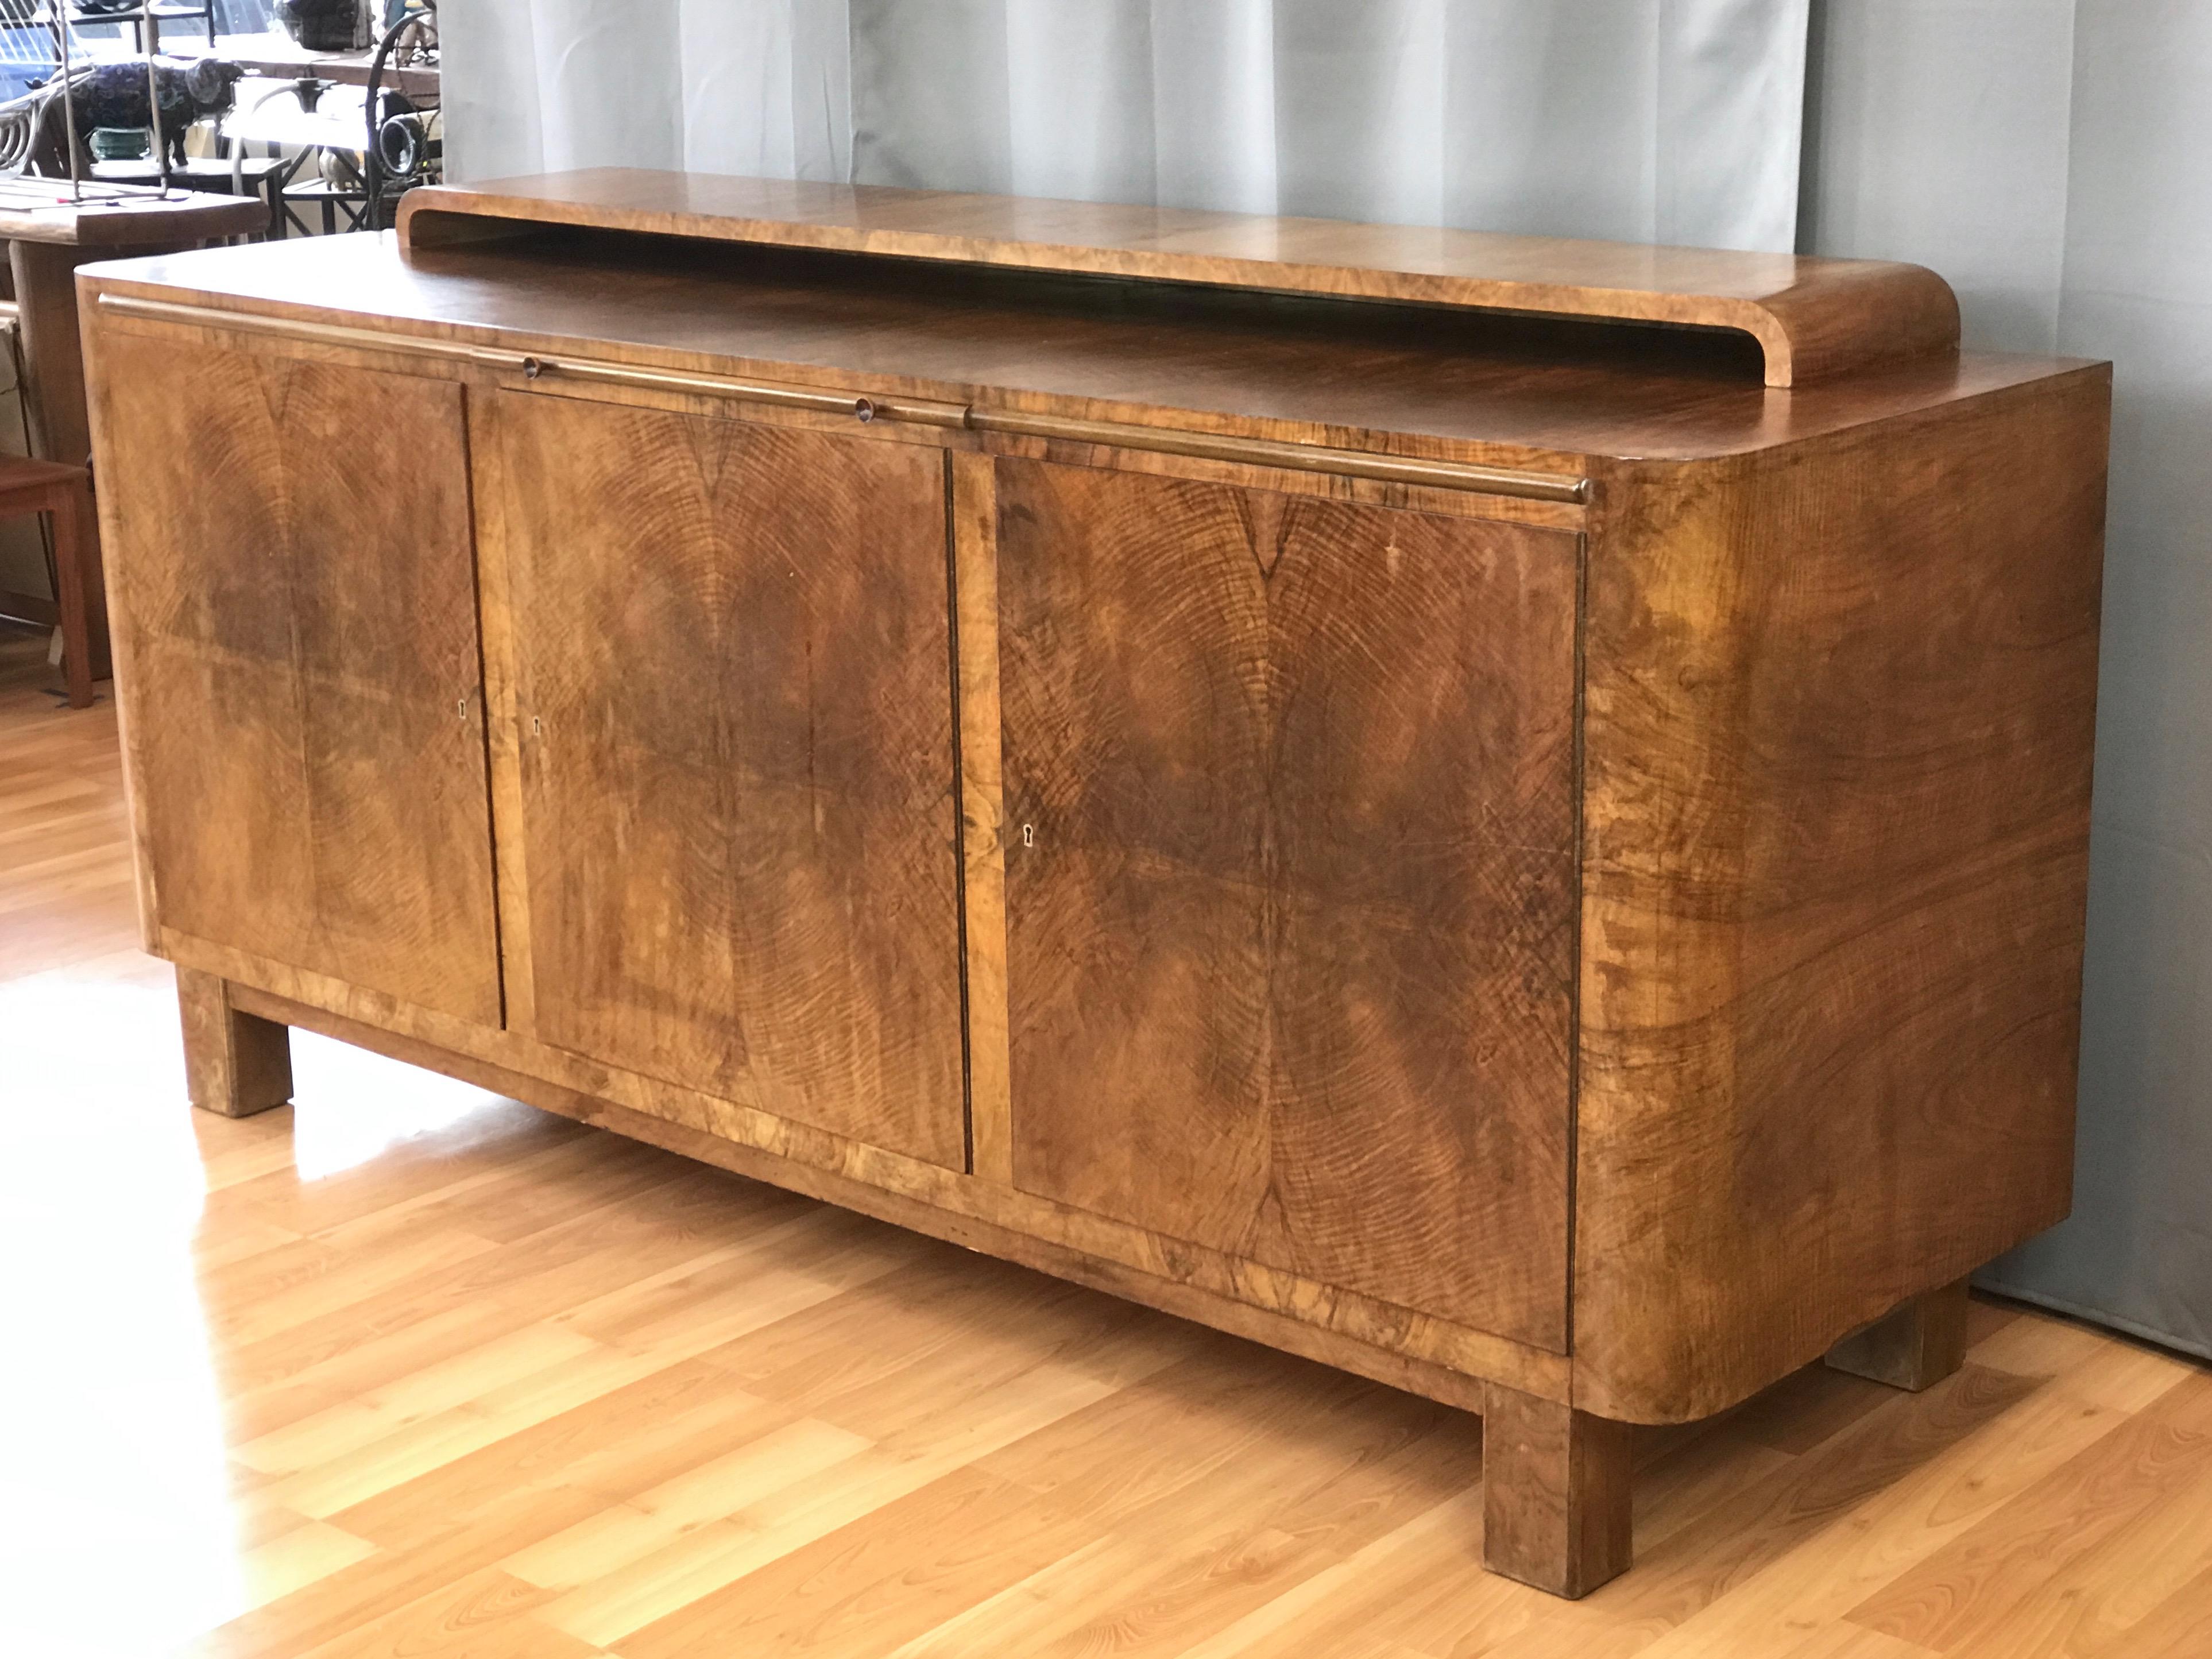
(49, 235)
(59, 491)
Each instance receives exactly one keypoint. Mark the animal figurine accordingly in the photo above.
(34, 130)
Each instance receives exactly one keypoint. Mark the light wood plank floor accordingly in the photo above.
(406, 1370)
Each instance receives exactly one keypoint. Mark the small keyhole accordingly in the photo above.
(537, 726)
(461, 708)
(1029, 834)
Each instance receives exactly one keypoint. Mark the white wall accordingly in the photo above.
(1668, 120)
(1937, 132)
(2055, 160)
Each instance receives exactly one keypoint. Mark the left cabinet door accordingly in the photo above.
(295, 576)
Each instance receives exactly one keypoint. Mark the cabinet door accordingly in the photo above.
(296, 586)
(1289, 798)
(733, 675)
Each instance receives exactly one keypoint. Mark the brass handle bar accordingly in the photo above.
(288, 328)
(1302, 458)
(531, 367)
(914, 411)
(1118, 434)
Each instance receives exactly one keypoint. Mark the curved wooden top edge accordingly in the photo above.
(1813, 317)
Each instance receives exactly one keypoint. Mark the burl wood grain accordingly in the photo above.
(1289, 847)
(1811, 317)
(1840, 709)
(734, 692)
(297, 597)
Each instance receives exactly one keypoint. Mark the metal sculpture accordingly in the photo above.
(40, 131)
(406, 145)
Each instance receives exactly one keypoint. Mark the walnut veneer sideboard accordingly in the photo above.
(1509, 815)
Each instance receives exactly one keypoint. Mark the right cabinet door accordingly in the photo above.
(1289, 794)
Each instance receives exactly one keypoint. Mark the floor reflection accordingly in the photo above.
(123, 1530)
(116, 1531)
(349, 1105)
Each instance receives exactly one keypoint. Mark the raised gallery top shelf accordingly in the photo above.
(1811, 317)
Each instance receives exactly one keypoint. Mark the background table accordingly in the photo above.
(49, 235)
(280, 57)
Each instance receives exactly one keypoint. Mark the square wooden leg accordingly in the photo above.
(1916, 1347)
(235, 1064)
(1555, 1493)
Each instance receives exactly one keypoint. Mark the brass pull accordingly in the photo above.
(1295, 457)
(1482, 479)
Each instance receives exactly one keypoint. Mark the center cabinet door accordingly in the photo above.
(1289, 830)
(734, 698)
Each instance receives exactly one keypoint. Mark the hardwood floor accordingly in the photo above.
(409, 1369)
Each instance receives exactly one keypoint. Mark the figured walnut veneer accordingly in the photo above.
(1290, 885)
(1506, 856)
(732, 643)
(295, 576)
(1811, 317)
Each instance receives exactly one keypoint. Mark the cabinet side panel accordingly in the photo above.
(1289, 832)
(734, 694)
(293, 553)
(1840, 711)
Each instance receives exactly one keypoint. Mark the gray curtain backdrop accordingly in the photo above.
(2054, 159)
(1646, 120)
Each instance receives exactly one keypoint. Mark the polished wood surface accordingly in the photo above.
(1290, 834)
(302, 648)
(1407, 380)
(1841, 705)
(1608, 943)
(404, 1369)
(733, 689)
(1811, 317)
